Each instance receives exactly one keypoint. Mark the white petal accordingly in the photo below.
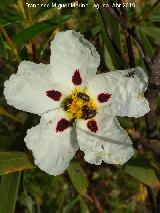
(70, 51)
(127, 92)
(110, 143)
(26, 90)
(52, 150)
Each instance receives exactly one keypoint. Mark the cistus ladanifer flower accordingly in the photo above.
(78, 108)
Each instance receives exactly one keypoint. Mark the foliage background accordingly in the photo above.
(25, 34)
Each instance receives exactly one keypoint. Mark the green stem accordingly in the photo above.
(26, 12)
(33, 41)
(10, 43)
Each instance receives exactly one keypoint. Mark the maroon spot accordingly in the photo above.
(92, 125)
(55, 95)
(76, 78)
(62, 125)
(104, 97)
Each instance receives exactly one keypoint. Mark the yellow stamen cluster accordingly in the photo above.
(81, 106)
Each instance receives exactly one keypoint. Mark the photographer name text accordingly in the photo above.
(79, 5)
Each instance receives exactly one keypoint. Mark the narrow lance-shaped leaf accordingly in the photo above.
(155, 18)
(147, 45)
(3, 51)
(151, 31)
(83, 206)
(38, 28)
(4, 112)
(108, 60)
(141, 169)
(8, 192)
(78, 177)
(44, 43)
(78, 199)
(14, 161)
(7, 20)
(114, 29)
(117, 61)
(67, 209)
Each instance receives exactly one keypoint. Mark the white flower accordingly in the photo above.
(78, 108)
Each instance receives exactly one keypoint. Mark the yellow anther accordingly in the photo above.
(81, 107)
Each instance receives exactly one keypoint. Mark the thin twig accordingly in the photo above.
(152, 200)
(132, 32)
(96, 202)
(152, 94)
(153, 67)
(154, 147)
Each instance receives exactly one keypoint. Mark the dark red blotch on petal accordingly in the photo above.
(76, 78)
(103, 97)
(92, 125)
(62, 125)
(55, 95)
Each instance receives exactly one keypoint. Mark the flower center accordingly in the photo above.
(80, 105)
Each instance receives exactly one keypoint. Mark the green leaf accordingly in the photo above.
(24, 55)
(115, 30)
(151, 31)
(118, 64)
(44, 44)
(155, 18)
(141, 169)
(78, 177)
(38, 28)
(146, 43)
(5, 4)
(78, 199)
(4, 21)
(67, 209)
(108, 60)
(14, 161)
(116, 60)
(8, 192)
(83, 206)
(3, 51)
(3, 112)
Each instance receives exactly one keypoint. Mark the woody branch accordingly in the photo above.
(152, 65)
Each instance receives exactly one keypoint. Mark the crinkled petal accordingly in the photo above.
(52, 149)
(126, 89)
(110, 143)
(26, 90)
(74, 59)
